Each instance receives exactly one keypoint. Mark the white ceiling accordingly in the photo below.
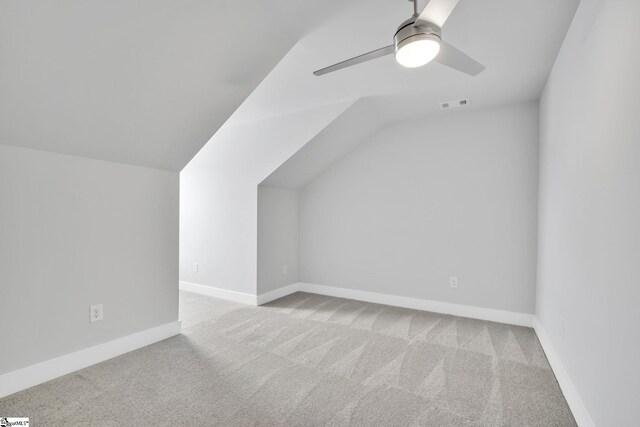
(149, 82)
(145, 82)
(338, 138)
(517, 41)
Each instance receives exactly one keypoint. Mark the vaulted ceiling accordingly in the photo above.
(145, 82)
(149, 82)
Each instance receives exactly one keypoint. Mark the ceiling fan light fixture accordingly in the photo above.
(418, 41)
(417, 50)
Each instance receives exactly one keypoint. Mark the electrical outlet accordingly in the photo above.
(453, 282)
(285, 268)
(195, 267)
(96, 313)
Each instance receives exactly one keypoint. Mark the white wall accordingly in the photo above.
(76, 232)
(277, 238)
(219, 195)
(589, 245)
(451, 195)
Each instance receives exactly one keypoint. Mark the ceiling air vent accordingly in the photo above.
(454, 104)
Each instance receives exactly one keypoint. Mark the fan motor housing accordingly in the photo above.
(409, 31)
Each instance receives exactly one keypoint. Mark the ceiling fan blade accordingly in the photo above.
(456, 59)
(437, 11)
(383, 51)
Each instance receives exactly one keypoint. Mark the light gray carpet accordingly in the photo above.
(310, 360)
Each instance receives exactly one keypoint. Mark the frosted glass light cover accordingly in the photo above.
(417, 53)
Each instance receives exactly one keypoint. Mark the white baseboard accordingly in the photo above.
(278, 293)
(510, 317)
(240, 297)
(210, 291)
(513, 318)
(30, 376)
(568, 389)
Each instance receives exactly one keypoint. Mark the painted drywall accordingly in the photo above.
(139, 82)
(451, 195)
(277, 238)
(491, 31)
(333, 142)
(589, 219)
(219, 195)
(76, 232)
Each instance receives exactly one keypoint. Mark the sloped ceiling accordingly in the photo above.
(517, 41)
(338, 138)
(149, 82)
(499, 33)
(144, 82)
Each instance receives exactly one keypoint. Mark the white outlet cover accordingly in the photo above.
(453, 282)
(96, 313)
(285, 268)
(195, 267)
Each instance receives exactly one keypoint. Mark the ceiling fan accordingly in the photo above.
(418, 41)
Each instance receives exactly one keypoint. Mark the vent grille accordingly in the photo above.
(454, 104)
